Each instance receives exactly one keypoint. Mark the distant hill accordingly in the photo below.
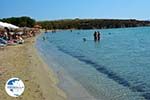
(92, 23)
(77, 23)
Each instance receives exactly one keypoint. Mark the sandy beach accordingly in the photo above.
(23, 61)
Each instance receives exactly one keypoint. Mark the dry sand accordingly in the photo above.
(23, 61)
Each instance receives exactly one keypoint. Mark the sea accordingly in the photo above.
(115, 68)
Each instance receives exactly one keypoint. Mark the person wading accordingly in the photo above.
(96, 36)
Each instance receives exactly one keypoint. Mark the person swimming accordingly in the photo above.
(84, 39)
(43, 38)
(109, 33)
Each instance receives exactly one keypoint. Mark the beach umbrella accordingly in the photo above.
(10, 26)
(2, 25)
(19, 33)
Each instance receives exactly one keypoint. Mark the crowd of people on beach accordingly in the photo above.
(15, 36)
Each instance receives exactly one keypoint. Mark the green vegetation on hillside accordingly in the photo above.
(76, 23)
(92, 24)
(20, 21)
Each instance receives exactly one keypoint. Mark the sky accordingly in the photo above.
(70, 9)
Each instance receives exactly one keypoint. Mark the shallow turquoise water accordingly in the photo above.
(116, 68)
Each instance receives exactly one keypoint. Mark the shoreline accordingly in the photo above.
(24, 62)
(73, 89)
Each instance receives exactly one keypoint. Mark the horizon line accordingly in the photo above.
(80, 18)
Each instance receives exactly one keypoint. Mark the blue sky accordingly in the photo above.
(66, 9)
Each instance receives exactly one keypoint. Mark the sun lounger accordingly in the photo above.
(2, 45)
(2, 41)
(11, 42)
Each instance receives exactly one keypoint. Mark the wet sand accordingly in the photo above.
(23, 61)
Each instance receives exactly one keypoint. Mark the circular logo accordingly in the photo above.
(14, 87)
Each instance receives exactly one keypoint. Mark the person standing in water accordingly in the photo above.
(96, 36)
